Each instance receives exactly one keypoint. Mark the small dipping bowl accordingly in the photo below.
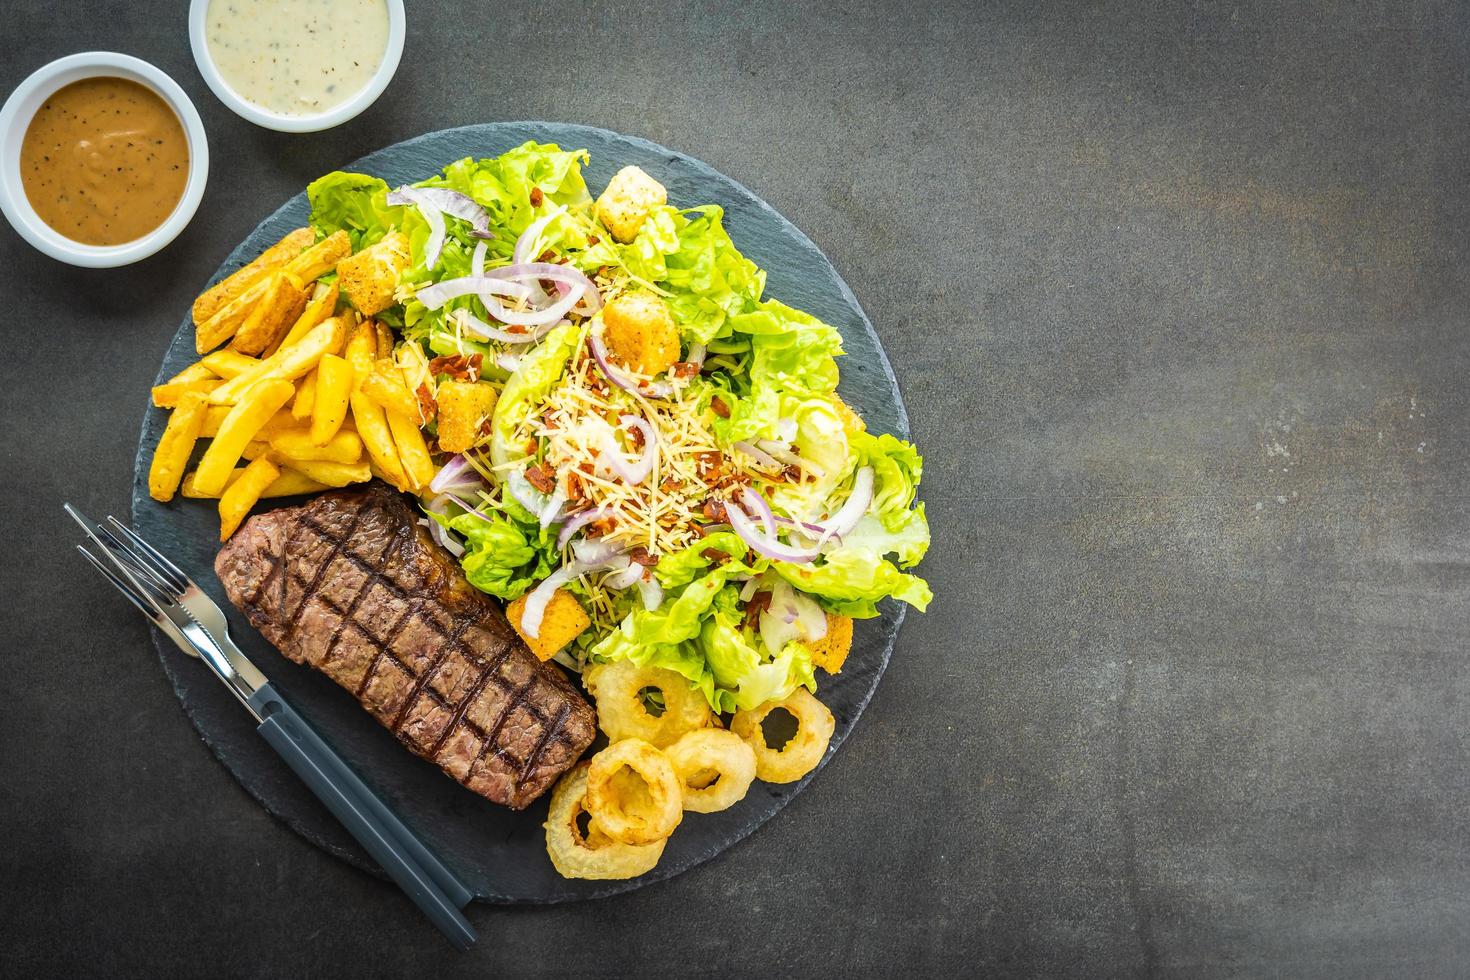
(335, 116)
(15, 119)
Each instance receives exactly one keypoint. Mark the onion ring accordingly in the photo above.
(814, 726)
(712, 750)
(643, 806)
(621, 712)
(595, 855)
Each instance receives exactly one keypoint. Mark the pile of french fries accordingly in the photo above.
(309, 394)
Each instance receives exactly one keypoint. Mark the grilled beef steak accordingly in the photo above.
(351, 584)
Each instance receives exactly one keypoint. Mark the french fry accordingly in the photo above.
(323, 302)
(229, 363)
(362, 348)
(333, 395)
(413, 452)
(167, 395)
(213, 416)
(301, 405)
(245, 420)
(384, 386)
(372, 426)
(273, 315)
(289, 444)
(287, 364)
(321, 258)
(174, 446)
(198, 371)
(213, 299)
(289, 484)
(220, 327)
(331, 474)
(243, 493)
(385, 338)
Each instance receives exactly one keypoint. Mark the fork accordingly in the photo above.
(177, 606)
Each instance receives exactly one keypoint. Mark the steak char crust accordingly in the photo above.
(351, 584)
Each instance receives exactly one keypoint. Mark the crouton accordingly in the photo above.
(831, 651)
(850, 419)
(629, 196)
(463, 408)
(216, 297)
(640, 333)
(562, 623)
(369, 278)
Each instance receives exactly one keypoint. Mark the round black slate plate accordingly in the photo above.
(501, 854)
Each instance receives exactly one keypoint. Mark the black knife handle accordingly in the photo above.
(431, 886)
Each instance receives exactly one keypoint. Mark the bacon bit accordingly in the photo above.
(548, 421)
(536, 196)
(793, 474)
(719, 407)
(596, 383)
(547, 256)
(670, 484)
(603, 526)
(576, 491)
(530, 446)
(432, 444)
(592, 240)
(428, 407)
(541, 477)
(516, 328)
(487, 426)
(758, 604)
(636, 435)
(460, 367)
(685, 369)
(640, 556)
(715, 555)
(714, 510)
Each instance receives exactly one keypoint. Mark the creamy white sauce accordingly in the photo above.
(297, 57)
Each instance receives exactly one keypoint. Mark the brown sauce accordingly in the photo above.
(104, 161)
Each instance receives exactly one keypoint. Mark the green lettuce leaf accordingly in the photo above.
(501, 557)
(355, 203)
(541, 368)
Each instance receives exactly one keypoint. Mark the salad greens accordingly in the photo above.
(730, 609)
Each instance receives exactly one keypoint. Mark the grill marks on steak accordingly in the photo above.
(350, 584)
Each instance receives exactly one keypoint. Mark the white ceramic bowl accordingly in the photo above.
(297, 124)
(16, 116)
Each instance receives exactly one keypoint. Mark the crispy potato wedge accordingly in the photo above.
(243, 492)
(198, 371)
(254, 409)
(561, 623)
(171, 457)
(229, 363)
(385, 338)
(222, 326)
(305, 399)
(286, 364)
(273, 315)
(362, 349)
(323, 304)
(289, 484)
(372, 426)
(168, 395)
(331, 474)
(385, 386)
(321, 258)
(213, 299)
(289, 444)
(333, 396)
(413, 452)
(463, 408)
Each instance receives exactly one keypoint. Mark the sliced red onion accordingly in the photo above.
(450, 202)
(508, 362)
(652, 593)
(561, 274)
(639, 471)
(595, 552)
(599, 354)
(856, 506)
(626, 577)
(440, 293)
(432, 214)
(696, 355)
(477, 261)
(757, 505)
(752, 586)
(455, 474)
(437, 531)
(764, 544)
(658, 389)
(534, 318)
(527, 241)
(476, 327)
(579, 520)
(761, 458)
(538, 598)
(552, 510)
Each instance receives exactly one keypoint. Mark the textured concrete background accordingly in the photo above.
(1176, 296)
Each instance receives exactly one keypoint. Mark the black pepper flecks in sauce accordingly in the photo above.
(104, 161)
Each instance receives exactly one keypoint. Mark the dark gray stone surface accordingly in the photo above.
(1176, 297)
